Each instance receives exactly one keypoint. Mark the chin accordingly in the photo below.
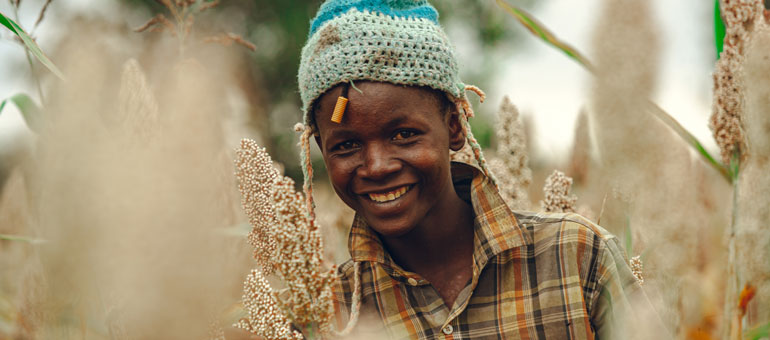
(390, 229)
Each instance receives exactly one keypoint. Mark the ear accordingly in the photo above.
(456, 132)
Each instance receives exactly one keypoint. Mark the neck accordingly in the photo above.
(443, 241)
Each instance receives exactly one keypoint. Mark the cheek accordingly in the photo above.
(431, 158)
(334, 171)
(339, 175)
(431, 165)
(430, 162)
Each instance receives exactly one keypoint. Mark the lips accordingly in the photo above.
(388, 196)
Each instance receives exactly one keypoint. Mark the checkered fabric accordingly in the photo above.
(535, 276)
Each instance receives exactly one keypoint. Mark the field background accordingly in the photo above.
(120, 214)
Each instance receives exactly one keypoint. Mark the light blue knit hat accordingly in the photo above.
(395, 41)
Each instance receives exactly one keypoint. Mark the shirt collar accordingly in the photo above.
(496, 228)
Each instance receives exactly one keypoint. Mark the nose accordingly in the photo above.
(378, 163)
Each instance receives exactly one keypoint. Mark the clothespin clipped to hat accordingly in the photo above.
(342, 103)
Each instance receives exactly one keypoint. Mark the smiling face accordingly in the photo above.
(389, 157)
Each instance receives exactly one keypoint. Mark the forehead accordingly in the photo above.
(378, 101)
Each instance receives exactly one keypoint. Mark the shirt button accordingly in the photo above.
(412, 282)
(448, 329)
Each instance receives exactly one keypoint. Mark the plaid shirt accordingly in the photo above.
(535, 276)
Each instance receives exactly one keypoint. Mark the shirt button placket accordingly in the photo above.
(448, 329)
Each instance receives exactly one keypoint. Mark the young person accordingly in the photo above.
(435, 251)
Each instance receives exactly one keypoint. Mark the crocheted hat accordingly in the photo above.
(395, 41)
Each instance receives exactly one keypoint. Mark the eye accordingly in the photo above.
(403, 134)
(345, 146)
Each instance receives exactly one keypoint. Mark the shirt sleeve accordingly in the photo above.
(620, 307)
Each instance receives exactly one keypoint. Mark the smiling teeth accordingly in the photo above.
(388, 196)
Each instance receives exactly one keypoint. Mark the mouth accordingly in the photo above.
(390, 195)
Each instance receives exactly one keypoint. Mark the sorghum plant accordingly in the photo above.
(741, 127)
(556, 193)
(511, 164)
(287, 243)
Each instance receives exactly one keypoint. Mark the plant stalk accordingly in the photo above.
(732, 330)
(31, 64)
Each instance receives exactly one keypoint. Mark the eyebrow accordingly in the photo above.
(396, 121)
(341, 133)
(344, 132)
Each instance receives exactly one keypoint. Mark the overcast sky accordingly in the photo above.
(552, 88)
(542, 82)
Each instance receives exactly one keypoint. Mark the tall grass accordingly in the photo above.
(126, 203)
(750, 241)
(647, 163)
(640, 156)
(130, 184)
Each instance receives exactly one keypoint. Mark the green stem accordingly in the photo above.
(719, 29)
(31, 64)
(180, 27)
(728, 174)
(733, 281)
(6, 237)
(36, 78)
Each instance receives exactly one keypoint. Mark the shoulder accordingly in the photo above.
(571, 244)
(582, 247)
(550, 229)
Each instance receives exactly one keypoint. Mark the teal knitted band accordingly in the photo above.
(395, 41)
(394, 8)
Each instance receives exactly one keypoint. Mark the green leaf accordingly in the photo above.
(690, 139)
(535, 27)
(760, 332)
(735, 164)
(31, 45)
(6, 237)
(719, 28)
(29, 110)
(539, 30)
